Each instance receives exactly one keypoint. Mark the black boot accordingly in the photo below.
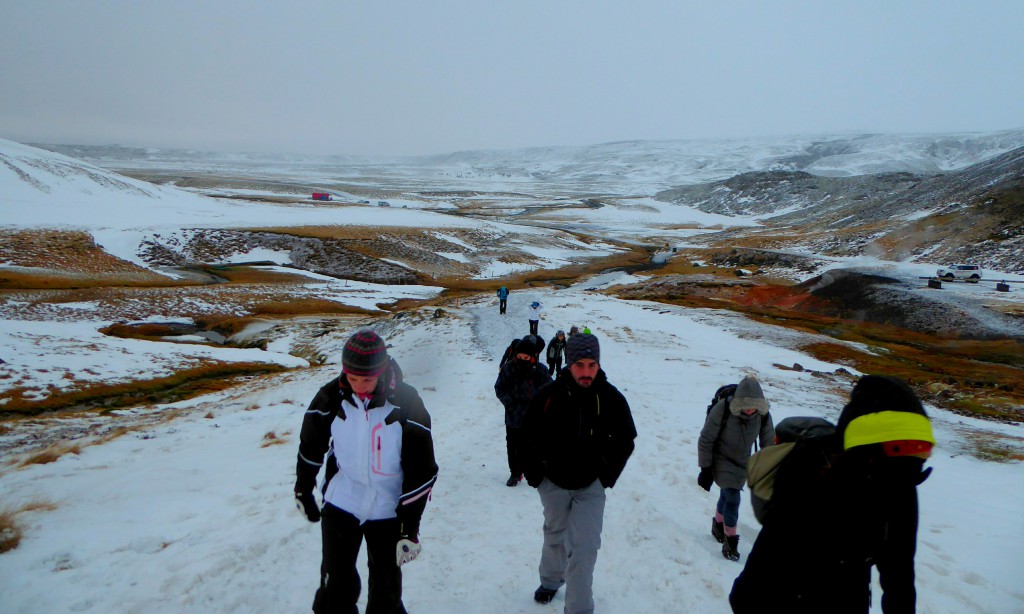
(718, 530)
(730, 549)
(544, 595)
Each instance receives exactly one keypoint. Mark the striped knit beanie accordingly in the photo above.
(583, 345)
(364, 355)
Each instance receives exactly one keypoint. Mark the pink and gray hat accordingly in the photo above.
(365, 354)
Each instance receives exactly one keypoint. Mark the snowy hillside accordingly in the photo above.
(155, 226)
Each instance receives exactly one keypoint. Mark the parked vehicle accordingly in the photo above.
(968, 272)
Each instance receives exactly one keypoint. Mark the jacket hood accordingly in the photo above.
(748, 395)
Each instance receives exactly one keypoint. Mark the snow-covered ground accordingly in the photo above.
(195, 515)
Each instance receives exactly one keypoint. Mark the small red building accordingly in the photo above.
(321, 196)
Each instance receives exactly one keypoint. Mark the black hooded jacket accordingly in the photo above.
(576, 435)
(825, 532)
(516, 386)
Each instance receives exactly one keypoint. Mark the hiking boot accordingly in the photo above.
(730, 549)
(544, 595)
(513, 480)
(718, 530)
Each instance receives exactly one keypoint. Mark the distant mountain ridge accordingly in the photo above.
(971, 215)
(626, 166)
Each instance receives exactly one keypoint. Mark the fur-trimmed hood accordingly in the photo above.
(748, 395)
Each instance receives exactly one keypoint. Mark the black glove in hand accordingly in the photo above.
(705, 478)
(306, 503)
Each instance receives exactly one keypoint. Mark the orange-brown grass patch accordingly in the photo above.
(273, 439)
(633, 258)
(210, 376)
(981, 378)
(50, 454)
(67, 259)
(11, 530)
(147, 330)
(41, 279)
(995, 446)
(306, 306)
(256, 275)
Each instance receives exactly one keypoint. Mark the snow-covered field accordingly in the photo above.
(196, 516)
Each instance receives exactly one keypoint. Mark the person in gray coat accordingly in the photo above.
(732, 426)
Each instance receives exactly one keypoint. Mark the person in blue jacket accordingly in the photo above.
(502, 299)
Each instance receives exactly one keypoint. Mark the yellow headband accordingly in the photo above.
(887, 426)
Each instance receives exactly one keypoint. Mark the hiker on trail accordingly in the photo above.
(573, 331)
(837, 510)
(732, 426)
(534, 316)
(579, 433)
(502, 299)
(536, 347)
(380, 469)
(518, 381)
(556, 347)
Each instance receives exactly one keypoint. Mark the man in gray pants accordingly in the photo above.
(579, 433)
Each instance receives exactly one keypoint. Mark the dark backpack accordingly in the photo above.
(811, 436)
(510, 352)
(723, 392)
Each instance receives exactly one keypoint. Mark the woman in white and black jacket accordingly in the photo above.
(380, 469)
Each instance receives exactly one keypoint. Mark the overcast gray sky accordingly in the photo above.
(397, 78)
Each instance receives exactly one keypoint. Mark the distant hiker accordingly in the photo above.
(536, 347)
(502, 299)
(534, 316)
(579, 433)
(517, 383)
(380, 470)
(839, 510)
(731, 427)
(555, 349)
(573, 331)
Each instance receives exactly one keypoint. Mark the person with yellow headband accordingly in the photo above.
(843, 507)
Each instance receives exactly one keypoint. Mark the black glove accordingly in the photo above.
(306, 503)
(705, 479)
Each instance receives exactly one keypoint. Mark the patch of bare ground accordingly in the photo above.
(980, 378)
(210, 376)
(66, 259)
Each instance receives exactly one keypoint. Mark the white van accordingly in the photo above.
(969, 272)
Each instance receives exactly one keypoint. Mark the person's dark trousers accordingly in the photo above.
(533, 326)
(554, 367)
(339, 579)
(515, 439)
(502, 304)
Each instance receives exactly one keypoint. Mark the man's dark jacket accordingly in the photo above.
(419, 469)
(516, 385)
(577, 435)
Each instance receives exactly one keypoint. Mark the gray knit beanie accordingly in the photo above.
(583, 345)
